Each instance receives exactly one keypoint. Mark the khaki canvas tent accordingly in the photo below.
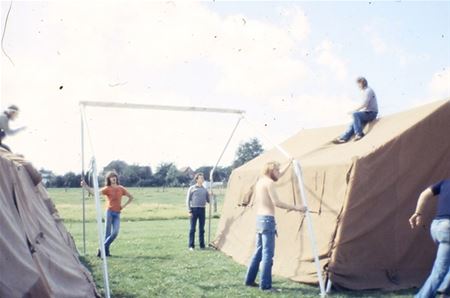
(38, 257)
(361, 195)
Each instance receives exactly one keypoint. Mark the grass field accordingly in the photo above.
(150, 256)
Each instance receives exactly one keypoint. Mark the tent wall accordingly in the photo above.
(325, 190)
(362, 194)
(376, 247)
(38, 257)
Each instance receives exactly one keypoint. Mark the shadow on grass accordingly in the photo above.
(374, 293)
(161, 258)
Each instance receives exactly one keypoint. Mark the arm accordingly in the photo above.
(10, 131)
(276, 201)
(416, 219)
(208, 196)
(367, 96)
(188, 201)
(130, 198)
(86, 187)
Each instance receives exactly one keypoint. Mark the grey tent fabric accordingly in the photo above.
(38, 256)
(362, 194)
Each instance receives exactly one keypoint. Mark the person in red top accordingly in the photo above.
(114, 193)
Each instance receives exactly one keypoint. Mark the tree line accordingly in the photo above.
(166, 174)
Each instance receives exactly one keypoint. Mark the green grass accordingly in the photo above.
(150, 256)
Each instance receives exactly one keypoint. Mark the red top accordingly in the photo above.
(114, 195)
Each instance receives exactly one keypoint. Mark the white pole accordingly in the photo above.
(211, 174)
(312, 238)
(82, 177)
(100, 228)
(301, 185)
(159, 107)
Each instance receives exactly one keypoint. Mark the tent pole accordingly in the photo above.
(211, 175)
(100, 228)
(312, 238)
(298, 173)
(82, 189)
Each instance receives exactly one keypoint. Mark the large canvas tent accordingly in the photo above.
(360, 195)
(38, 257)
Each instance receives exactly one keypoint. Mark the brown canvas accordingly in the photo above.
(38, 257)
(361, 195)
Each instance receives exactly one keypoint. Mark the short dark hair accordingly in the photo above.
(362, 81)
(13, 108)
(198, 175)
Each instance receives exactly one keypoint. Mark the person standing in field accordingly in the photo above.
(113, 192)
(196, 198)
(439, 279)
(266, 199)
(10, 114)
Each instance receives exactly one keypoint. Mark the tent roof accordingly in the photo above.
(314, 146)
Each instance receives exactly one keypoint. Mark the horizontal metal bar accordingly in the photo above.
(159, 107)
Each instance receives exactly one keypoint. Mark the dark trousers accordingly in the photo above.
(197, 213)
(2, 135)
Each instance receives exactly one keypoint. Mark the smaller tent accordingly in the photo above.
(361, 195)
(38, 257)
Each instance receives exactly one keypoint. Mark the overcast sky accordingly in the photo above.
(290, 65)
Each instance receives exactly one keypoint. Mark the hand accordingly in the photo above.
(415, 220)
(82, 183)
(301, 209)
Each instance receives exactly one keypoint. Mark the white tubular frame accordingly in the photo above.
(101, 237)
(211, 176)
(84, 104)
(296, 164)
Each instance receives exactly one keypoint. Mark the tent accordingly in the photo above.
(38, 257)
(360, 194)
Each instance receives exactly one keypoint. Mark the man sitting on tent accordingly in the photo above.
(266, 200)
(439, 278)
(364, 114)
(9, 114)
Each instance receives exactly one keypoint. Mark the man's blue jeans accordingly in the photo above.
(359, 120)
(198, 213)
(265, 248)
(112, 226)
(439, 278)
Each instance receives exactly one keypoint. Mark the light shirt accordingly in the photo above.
(369, 101)
(4, 125)
(197, 197)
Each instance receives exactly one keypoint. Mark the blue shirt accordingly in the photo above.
(442, 189)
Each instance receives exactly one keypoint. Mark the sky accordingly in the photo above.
(289, 65)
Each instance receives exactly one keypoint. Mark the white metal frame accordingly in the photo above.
(241, 113)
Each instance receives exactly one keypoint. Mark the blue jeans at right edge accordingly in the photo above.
(264, 252)
(439, 278)
(359, 120)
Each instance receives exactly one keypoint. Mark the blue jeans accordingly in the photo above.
(112, 226)
(359, 120)
(198, 213)
(265, 248)
(439, 278)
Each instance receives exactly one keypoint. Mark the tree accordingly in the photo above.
(247, 151)
(116, 165)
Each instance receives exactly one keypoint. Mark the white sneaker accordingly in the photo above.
(191, 248)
